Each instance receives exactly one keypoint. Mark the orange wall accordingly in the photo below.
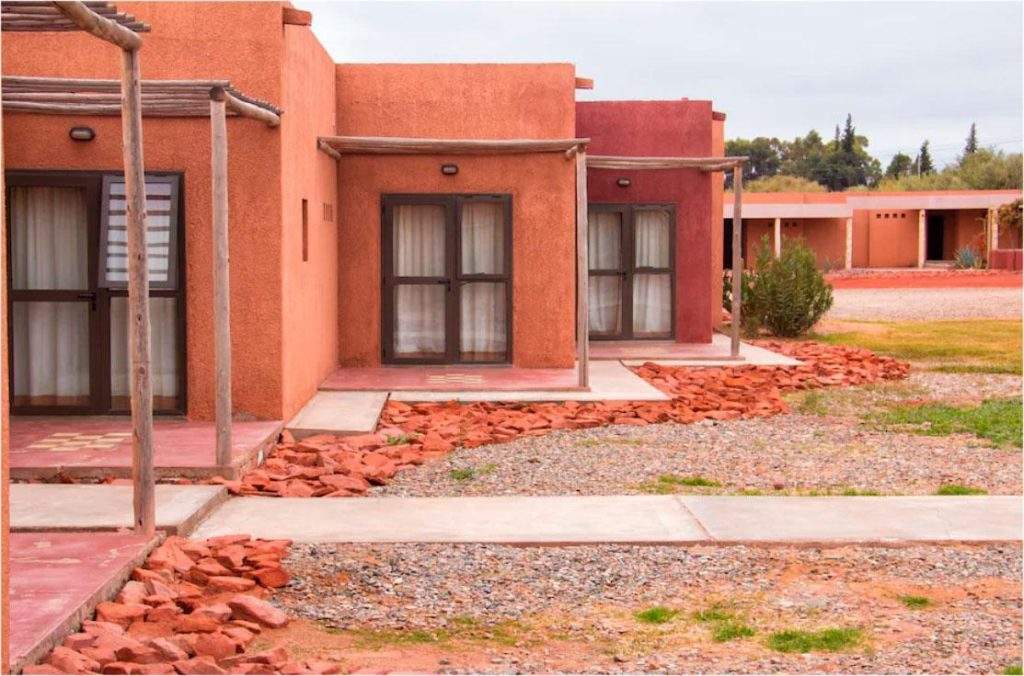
(309, 322)
(892, 238)
(187, 41)
(462, 101)
(825, 236)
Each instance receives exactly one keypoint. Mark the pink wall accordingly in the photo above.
(665, 128)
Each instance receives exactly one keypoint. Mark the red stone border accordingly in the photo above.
(192, 608)
(409, 434)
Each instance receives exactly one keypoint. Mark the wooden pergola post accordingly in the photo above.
(138, 296)
(737, 258)
(582, 272)
(221, 280)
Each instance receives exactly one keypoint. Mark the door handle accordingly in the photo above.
(89, 296)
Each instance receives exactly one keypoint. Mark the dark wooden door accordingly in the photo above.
(446, 288)
(631, 261)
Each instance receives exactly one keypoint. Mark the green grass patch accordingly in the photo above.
(998, 420)
(960, 346)
(470, 473)
(656, 615)
(1013, 669)
(958, 489)
(827, 640)
(715, 613)
(399, 439)
(915, 602)
(850, 492)
(730, 631)
(670, 483)
(378, 638)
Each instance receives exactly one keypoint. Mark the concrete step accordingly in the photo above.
(338, 413)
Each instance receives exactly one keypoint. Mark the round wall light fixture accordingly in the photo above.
(624, 182)
(449, 169)
(82, 134)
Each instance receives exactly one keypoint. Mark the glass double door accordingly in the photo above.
(447, 279)
(631, 261)
(68, 305)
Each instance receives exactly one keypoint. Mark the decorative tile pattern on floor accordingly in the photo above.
(455, 379)
(76, 441)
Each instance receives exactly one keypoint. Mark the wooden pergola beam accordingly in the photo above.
(640, 163)
(159, 98)
(387, 145)
(101, 27)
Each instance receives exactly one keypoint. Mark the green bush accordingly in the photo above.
(785, 295)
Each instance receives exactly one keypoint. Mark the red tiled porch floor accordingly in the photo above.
(472, 378)
(98, 447)
(56, 581)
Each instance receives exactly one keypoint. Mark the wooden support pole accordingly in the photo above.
(778, 237)
(993, 223)
(582, 272)
(143, 476)
(737, 258)
(221, 283)
(848, 251)
(922, 238)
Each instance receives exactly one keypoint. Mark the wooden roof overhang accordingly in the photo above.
(99, 18)
(337, 146)
(642, 163)
(160, 98)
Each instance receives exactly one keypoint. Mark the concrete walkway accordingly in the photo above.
(100, 507)
(624, 519)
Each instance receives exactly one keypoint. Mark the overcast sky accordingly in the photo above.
(906, 71)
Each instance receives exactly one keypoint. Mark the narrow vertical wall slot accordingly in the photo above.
(305, 230)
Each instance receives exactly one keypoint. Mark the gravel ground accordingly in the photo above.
(492, 608)
(792, 454)
(887, 304)
(828, 449)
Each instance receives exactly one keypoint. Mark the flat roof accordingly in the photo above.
(842, 205)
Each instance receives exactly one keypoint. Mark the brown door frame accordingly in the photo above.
(454, 279)
(628, 269)
(98, 297)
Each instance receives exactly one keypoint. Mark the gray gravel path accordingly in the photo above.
(796, 454)
(887, 304)
(499, 609)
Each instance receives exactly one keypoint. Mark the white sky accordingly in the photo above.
(907, 71)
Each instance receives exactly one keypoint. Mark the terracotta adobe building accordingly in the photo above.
(358, 261)
(877, 229)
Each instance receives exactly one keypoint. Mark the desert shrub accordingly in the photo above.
(967, 258)
(788, 294)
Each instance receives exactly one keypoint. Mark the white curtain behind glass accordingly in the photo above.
(163, 347)
(419, 251)
(482, 310)
(604, 246)
(483, 238)
(50, 341)
(652, 293)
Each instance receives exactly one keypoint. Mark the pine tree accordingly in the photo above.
(849, 135)
(837, 136)
(972, 141)
(924, 160)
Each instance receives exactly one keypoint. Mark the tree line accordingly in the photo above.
(812, 164)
